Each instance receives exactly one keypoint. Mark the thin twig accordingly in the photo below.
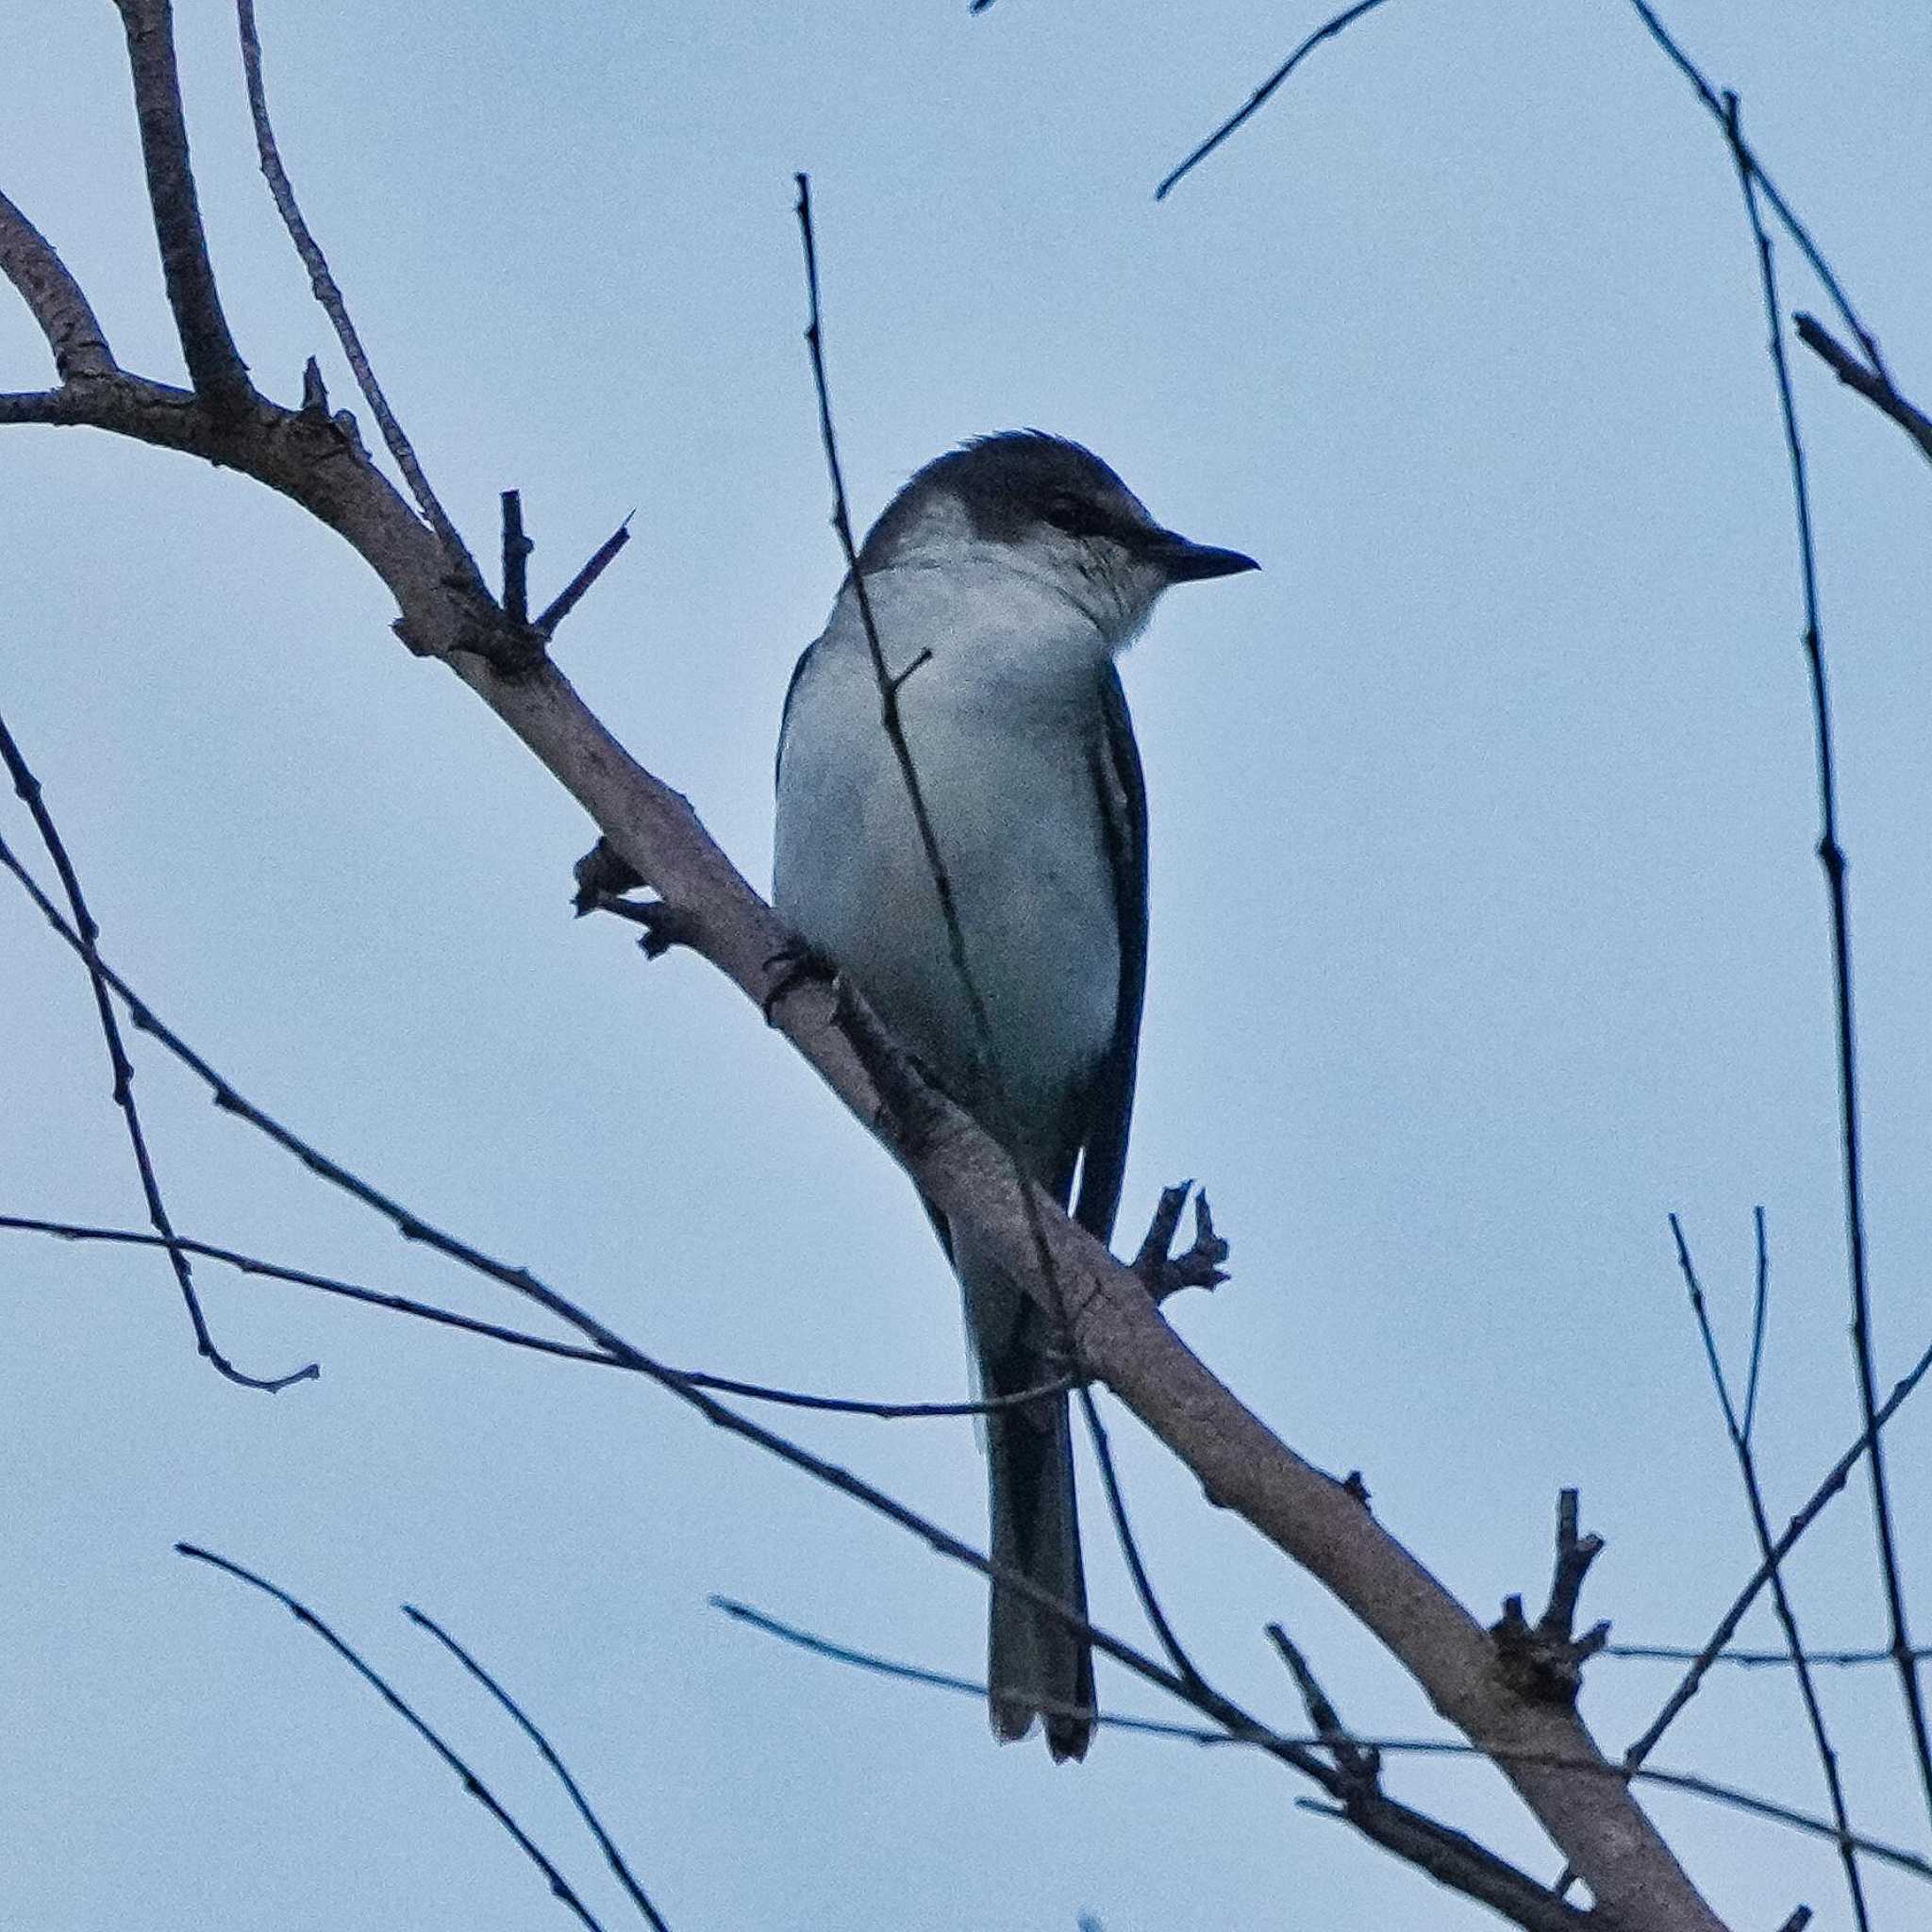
(1760, 1305)
(1130, 1548)
(944, 1680)
(560, 1885)
(1714, 106)
(1451, 1856)
(329, 295)
(88, 934)
(1738, 1430)
(517, 1338)
(1873, 384)
(606, 1843)
(1901, 1856)
(566, 599)
(1263, 93)
(1834, 1480)
(1831, 856)
(1754, 1659)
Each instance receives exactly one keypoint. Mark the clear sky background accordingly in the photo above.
(1487, 930)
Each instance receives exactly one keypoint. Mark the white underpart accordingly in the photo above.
(1000, 721)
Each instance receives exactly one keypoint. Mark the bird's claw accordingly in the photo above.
(1163, 1274)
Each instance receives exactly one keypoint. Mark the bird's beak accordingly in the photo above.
(1185, 561)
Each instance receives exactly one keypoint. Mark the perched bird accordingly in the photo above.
(1003, 579)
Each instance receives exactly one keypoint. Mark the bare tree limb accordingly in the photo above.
(215, 367)
(1263, 93)
(1736, 1428)
(28, 789)
(1902, 1858)
(1873, 384)
(560, 1885)
(606, 1843)
(331, 298)
(53, 297)
(1831, 856)
(517, 1338)
(1755, 1660)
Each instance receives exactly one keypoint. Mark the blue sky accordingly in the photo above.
(1487, 928)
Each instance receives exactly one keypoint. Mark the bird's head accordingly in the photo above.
(1054, 511)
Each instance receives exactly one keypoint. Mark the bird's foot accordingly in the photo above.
(601, 874)
(1163, 1272)
(603, 879)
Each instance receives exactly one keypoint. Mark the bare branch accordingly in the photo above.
(1717, 108)
(560, 1885)
(1873, 384)
(606, 1843)
(1554, 1912)
(1831, 856)
(1756, 1659)
(1163, 1272)
(566, 599)
(1834, 1480)
(1263, 93)
(1545, 1661)
(53, 297)
(516, 559)
(215, 367)
(87, 932)
(516, 1337)
(1737, 1429)
(331, 298)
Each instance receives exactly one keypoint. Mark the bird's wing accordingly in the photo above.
(1122, 800)
(785, 713)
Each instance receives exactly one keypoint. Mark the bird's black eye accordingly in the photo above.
(1076, 515)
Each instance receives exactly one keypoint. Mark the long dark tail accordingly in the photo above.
(1036, 1666)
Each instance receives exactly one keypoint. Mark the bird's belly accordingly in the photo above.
(1018, 829)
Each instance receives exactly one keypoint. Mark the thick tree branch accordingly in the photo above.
(53, 297)
(215, 367)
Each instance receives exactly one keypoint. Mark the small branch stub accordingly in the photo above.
(1543, 1660)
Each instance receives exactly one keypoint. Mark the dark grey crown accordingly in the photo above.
(1010, 483)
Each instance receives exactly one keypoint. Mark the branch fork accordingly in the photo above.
(1544, 1661)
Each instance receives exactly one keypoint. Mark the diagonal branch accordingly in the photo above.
(1738, 1430)
(1831, 856)
(333, 305)
(215, 367)
(53, 296)
(560, 1885)
(606, 1843)
(1873, 384)
(517, 1338)
(1263, 93)
(28, 789)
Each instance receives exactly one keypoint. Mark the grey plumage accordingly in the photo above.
(1009, 573)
